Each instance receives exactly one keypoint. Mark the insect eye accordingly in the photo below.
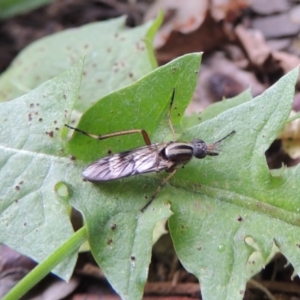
(199, 149)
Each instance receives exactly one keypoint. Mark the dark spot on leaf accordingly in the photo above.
(16, 201)
(116, 35)
(113, 226)
(196, 72)
(40, 119)
(109, 152)
(109, 241)
(25, 224)
(99, 80)
(132, 258)
(130, 75)
(17, 188)
(56, 128)
(55, 122)
(83, 179)
(36, 113)
(29, 117)
(242, 292)
(240, 219)
(84, 73)
(50, 133)
(37, 104)
(199, 248)
(72, 157)
(31, 105)
(86, 46)
(21, 182)
(298, 245)
(146, 197)
(178, 115)
(64, 96)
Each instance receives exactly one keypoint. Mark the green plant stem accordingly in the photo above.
(293, 118)
(41, 270)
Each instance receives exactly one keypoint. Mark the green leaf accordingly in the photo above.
(230, 207)
(120, 235)
(228, 211)
(143, 105)
(115, 57)
(222, 205)
(10, 8)
(35, 178)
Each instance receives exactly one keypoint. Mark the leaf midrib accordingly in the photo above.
(248, 202)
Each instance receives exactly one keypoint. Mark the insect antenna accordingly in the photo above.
(212, 149)
(225, 137)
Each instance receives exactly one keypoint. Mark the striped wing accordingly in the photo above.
(137, 161)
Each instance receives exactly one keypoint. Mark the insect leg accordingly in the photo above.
(169, 114)
(159, 189)
(114, 134)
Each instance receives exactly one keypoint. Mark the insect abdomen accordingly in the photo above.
(179, 153)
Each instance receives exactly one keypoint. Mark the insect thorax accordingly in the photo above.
(179, 153)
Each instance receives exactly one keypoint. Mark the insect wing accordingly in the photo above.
(137, 161)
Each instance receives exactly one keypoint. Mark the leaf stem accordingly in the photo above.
(293, 118)
(41, 270)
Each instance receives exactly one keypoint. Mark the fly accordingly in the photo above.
(146, 159)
